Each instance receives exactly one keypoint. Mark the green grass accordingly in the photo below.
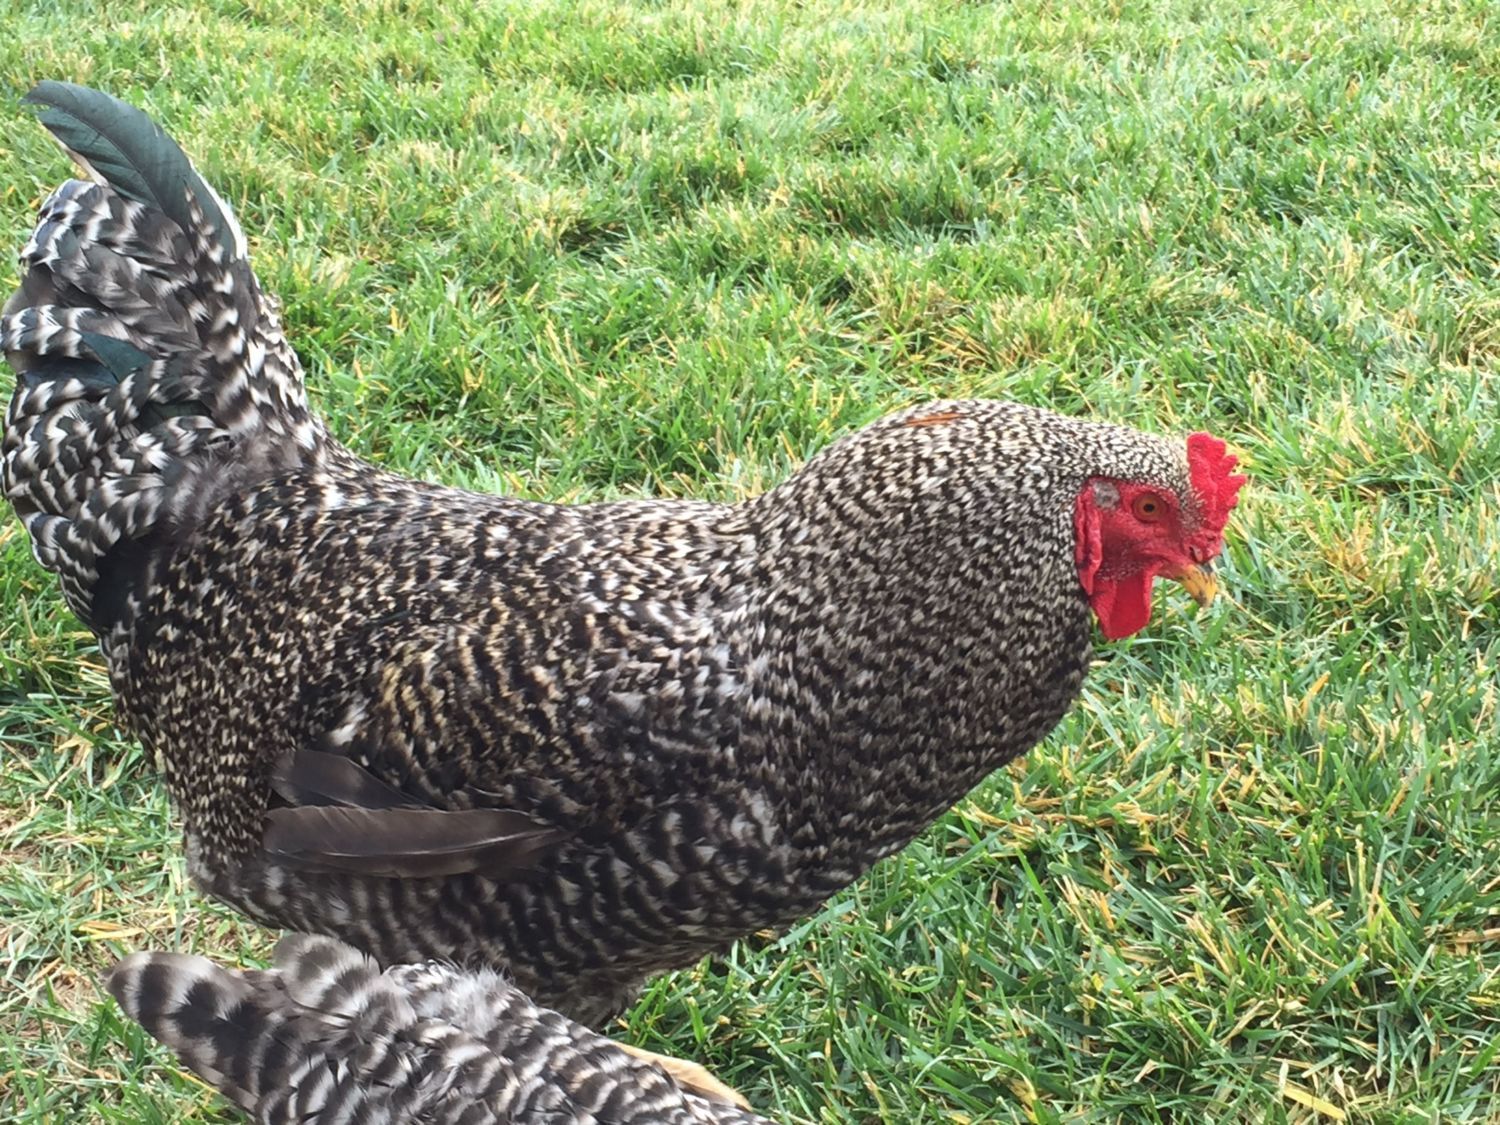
(674, 247)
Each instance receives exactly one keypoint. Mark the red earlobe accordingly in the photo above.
(1089, 547)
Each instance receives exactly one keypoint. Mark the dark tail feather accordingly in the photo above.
(117, 144)
(152, 373)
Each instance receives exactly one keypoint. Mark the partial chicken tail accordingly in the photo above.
(325, 1036)
(153, 376)
(277, 1043)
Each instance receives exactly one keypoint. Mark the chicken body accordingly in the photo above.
(707, 709)
(583, 743)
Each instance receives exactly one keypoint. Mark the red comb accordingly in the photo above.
(1214, 479)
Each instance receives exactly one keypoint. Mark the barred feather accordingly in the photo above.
(326, 1037)
(153, 374)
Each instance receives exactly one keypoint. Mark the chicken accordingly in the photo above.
(581, 743)
(326, 1037)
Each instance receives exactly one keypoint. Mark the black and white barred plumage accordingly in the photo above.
(325, 1037)
(584, 743)
(166, 372)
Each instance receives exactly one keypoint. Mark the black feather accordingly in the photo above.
(410, 843)
(122, 358)
(124, 146)
(314, 777)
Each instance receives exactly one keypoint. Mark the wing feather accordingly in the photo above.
(407, 843)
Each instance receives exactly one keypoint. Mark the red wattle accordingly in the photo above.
(1123, 605)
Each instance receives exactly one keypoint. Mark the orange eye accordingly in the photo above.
(1148, 508)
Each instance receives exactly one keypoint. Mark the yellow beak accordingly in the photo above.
(1199, 581)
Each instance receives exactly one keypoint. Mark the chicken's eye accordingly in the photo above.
(1148, 508)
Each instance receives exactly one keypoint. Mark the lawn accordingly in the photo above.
(672, 248)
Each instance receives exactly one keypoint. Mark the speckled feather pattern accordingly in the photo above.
(729, 711)
(325, 1037)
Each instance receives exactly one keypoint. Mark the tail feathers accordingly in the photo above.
(210, 1018)
(357, 1055)
(153, 375)
(326, 1037)
(117, 144)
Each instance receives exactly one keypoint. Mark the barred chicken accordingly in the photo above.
(325, 1037)
(581, 743)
